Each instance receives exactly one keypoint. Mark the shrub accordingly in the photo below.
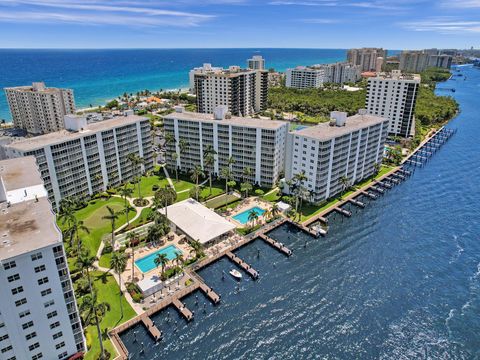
(155, 187)
(137, 297)
(107, 249)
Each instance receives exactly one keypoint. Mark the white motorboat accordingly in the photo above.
(236, 274)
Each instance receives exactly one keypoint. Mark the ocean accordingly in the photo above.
(100, 75)
(400, 279)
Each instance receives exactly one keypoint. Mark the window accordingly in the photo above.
(34, 346)
(20, 302)
(31, 335)
(24, 313)
(4, 337)
(37, 356)
(40, 268)
(17, 290)
(9, 265)
(46, 292)
(48, 303)
(27, 325)
(43, 281)
(57, 335)
(54, 325)
(52, 314)
(37, 256)
(60, 345)
(13, 278)
(62, 355)
(8, 348)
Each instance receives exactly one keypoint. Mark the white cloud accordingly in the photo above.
(461, 3)
(443, 25)
(374, 4)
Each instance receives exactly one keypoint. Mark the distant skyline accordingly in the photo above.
(392, 24)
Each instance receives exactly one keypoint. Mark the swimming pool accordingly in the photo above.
(147, 263)
(242, 217)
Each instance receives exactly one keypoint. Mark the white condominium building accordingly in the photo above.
(257, 62)
(86, 158)
(366, 57)
(346, 147)
(205, 69)
(304, 77)
(254, 143)
(38, 109)
(39, 318)
(243, 91)
(393, 96)
(418, 61)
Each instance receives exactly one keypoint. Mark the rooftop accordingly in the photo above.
(35, 87)
(65, 135)
(29, 224)
(397, 75)
(324, 131)
(234, 120)
(197, 221)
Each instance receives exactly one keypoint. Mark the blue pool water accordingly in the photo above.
(242, 218)
(147, 263)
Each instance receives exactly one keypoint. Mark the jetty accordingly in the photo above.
(248, 269)
(182, 309)
(276, 244)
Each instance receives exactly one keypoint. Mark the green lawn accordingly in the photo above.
(146, 184)
(107, 292)
(274, 196)
(182, 185)
(220, 201)
(92, 218)
(143, 218)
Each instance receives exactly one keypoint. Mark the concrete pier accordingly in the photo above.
(248, 269)
(182, 309)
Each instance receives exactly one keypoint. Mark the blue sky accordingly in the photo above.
(393, 24)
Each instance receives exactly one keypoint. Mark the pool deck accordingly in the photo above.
(245, 205)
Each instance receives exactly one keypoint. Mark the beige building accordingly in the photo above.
(366, 57)
(418, 61)
(38, 109)
(243, 91)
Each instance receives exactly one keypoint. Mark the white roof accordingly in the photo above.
(283, 206)
(197, 221)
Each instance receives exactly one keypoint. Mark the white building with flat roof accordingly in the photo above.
(254, 143)
(86, 158)
(304, 77)
(39, 318)
(38, 109)
(346, 147)
(393, 96)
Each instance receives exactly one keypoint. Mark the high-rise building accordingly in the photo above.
(254, 143)
(257, 62)
(418, 61)
(393, 96)
(38, 109)
(86, 158)
(346, 147)
(39, 318)
(304, 77)
(243, 91)
(366, 57)
(204, 69)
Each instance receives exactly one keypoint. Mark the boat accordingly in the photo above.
(236, 274)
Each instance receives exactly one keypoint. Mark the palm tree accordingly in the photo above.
(136, 162)
(118, 263)
(132, 238)
(208, 161)
(246, 186)
(164, 196)
(274, 210)
(252, 216)
(376, 167)
(86, 262)
(112, 216)
(170, 139)
(231, 160)
(247, 172)
(226, 173)
(183, 146)
(161, 260)
(303, 193)
(174, 159)
(179, 258)
(196, 172)
(268, 214)
(345, 183)
(197, 248)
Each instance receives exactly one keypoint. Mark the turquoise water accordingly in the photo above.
(147, 263)
(242, 218)
(99, 75)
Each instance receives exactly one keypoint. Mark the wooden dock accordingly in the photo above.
(152, 329)
(277, 245)
(248, 268)
(182, 309)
